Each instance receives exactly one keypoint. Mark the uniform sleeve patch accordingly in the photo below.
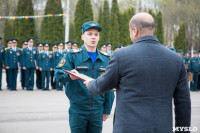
(62, 63)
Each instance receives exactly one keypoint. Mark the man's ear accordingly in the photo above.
(82, 37)
(135, 31)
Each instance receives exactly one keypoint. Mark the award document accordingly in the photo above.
(80, 76)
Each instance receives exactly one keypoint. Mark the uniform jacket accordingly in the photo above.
(76, 91)
(45, 61)
(147, 76)
(58, 56)
(29, 57)
(2, 50)
(194, 65)
(12, 58)
(38, 57)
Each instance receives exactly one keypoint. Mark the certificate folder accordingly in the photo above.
(80, 76)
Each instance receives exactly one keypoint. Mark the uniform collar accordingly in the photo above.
(86, 56)
(147, 38)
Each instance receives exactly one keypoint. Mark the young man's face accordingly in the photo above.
(55, 48)
(40, 48)
(46, 48)
(24, 46)
(69, 46)
(195, 55)
(91, 37)
(30, 43)
(10, 44)
(74, 46)
(188, 55)
(14, 44)
(60, 47)
(109, 47)
(103, 49)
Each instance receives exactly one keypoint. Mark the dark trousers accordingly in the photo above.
(59, 85)
(85, 121)
(29, 81)
(0, 77)
(194, 84)
(7, 78)
(38, 79)
(12, 78)
(23, 78)
(198, 87)
(53, 82)
(45, 75)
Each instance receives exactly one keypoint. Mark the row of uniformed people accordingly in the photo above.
(28, 59)
(192, 64)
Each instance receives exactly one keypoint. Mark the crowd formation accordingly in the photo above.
(192, 65)
(29, 59)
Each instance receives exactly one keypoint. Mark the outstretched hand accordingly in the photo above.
(75, 72)
(87, 82)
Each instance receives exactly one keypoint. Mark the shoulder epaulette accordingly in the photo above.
(104, 53)
(76, 50)
(7, 48)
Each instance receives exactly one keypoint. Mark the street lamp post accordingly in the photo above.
(67, 23)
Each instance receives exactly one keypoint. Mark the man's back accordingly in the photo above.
(150, 75)
(146, 76)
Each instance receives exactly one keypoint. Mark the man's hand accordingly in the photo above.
(87, 82)
(75, 72)
(105, 117)
(7, 67)
(24, 68)
(51, 69)
(40, 69)
(36, 67)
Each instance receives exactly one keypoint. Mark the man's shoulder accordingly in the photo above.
(75, 51)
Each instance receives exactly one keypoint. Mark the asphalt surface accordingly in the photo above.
(47, 111)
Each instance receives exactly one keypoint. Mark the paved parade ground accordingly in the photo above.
(47, 111)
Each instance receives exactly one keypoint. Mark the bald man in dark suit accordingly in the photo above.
(147, 77)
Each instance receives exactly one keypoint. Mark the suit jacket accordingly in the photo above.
(147, 77)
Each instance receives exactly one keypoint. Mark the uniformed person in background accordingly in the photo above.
(38, 72)
(74, 45)
(9, 45)
(181, 53)
(59, 55)
(194, 67)
(12, 63)
(46, 66)
(1, 62)
(68, 46)
(187, 59)
(103, 47)
(116, 48)
(86, 111)
(121, 46)
(54, 52)
(29, 63)
(172, 48)
(22, 71)
(109, 48)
